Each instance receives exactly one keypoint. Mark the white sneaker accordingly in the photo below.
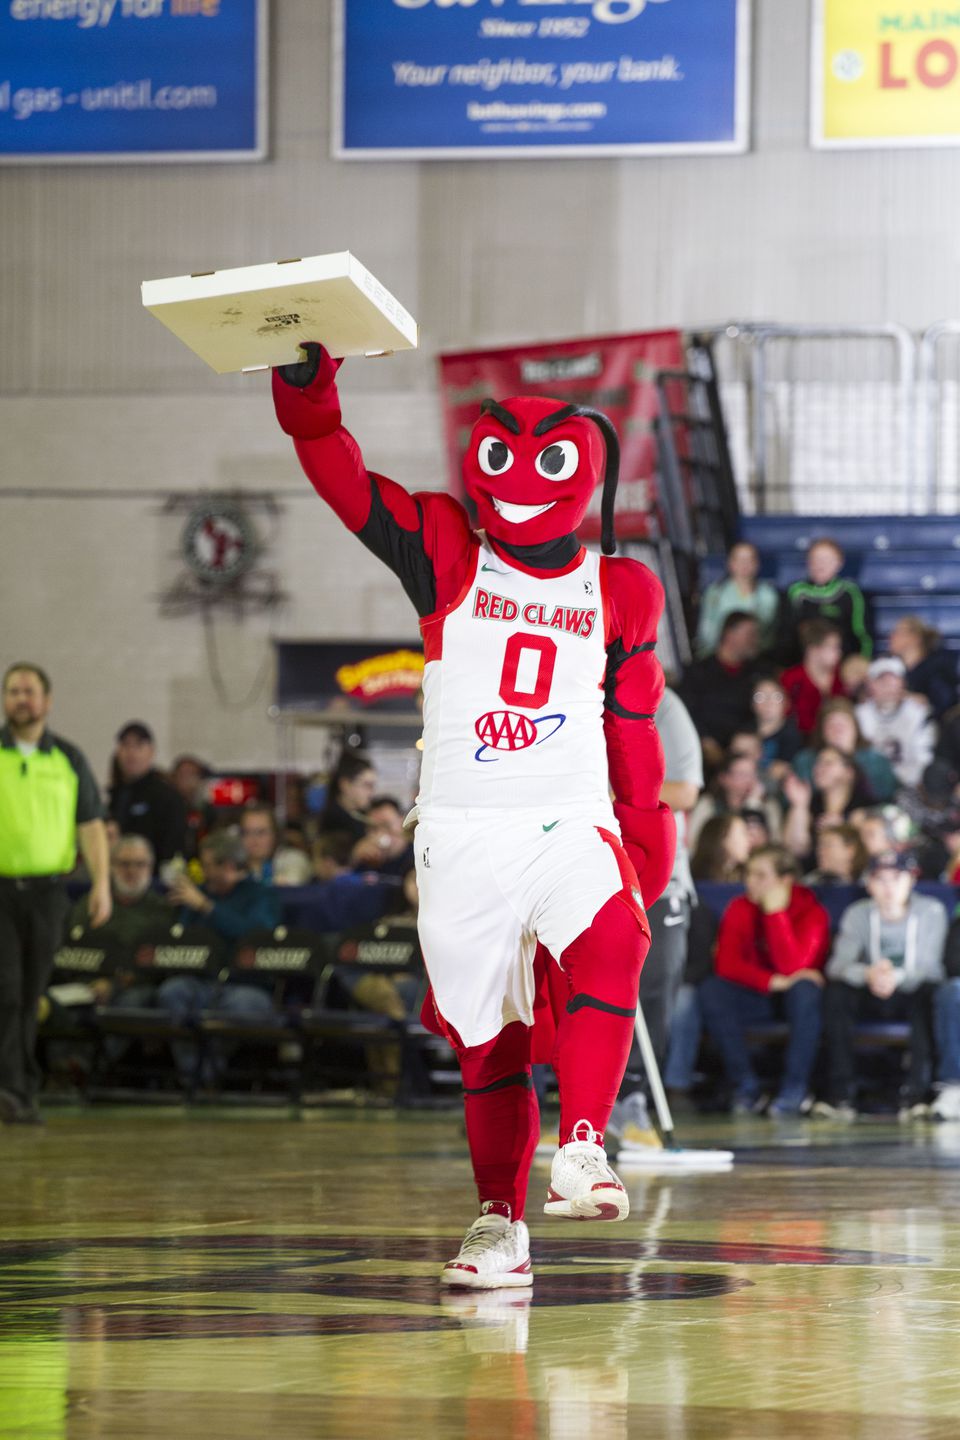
(947, 1104)
(582, 1184)
(495, 1253)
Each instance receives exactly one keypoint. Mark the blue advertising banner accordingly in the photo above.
(430, 79)
(132, 80)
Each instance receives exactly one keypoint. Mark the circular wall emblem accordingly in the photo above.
(218, 542)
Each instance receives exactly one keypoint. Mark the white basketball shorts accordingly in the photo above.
(493, 883)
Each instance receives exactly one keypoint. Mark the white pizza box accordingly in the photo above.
(257, 315)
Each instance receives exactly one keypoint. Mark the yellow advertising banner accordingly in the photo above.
(885, 73)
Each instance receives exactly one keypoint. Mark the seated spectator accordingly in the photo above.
(735, 788)
(947, 1028)
(741, 591)
(771, 948)
(853, 673)
(779, 737)
(943, 773)
(882, 828)
(817, 676)
(717, 690)
(137, 908)
(332, 855)
(721, 850)
(386, 847)
(886, 962)
(190, 777)
(824, 596)
(841, 857)
(686, 1019)
(835, 791)
(232, 904)
(758, 830)
(142, 801)
(231, 901)
(837, 726)
(897, 724)
(267, 860)
(352, 786)
(931, 673)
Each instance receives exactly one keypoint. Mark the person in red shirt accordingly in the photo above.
(817, 677)
(771, 950)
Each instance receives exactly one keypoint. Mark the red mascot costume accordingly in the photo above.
(540, 690)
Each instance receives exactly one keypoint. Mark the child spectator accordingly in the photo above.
(332, 855)
(779, 737)
(824, 595)
(386, 847)
(895, 723)
(717, 689)
(735, 788)
(722, 850)
(931, 673)
(836, 790)
(887, 960)
(817, 676)
(841, 857)
(741, 591)
(837, 726)
(772, 944)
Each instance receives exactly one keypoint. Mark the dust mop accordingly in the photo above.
(672, 1157)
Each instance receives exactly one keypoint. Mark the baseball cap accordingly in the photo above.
(138, 730)
(887, 665)
(893, 860)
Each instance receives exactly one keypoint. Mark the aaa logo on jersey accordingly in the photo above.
(508, 730)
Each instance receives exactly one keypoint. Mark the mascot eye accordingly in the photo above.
(494, 456)
(558, 461)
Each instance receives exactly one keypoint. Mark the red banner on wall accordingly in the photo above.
(613, 373)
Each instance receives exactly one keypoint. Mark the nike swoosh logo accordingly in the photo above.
(490, 567)
(550, 827)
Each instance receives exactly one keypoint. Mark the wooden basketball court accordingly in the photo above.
(247, 1274)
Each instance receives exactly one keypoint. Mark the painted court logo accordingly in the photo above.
(508, 731)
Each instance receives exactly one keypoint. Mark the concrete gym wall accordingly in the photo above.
(98, 405)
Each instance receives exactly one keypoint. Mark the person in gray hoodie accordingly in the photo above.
(886, 964)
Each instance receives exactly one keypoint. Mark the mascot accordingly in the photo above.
(540, 690)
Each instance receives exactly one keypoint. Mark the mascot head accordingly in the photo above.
(532, 465)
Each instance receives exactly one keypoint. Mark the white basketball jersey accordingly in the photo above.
(513, 691)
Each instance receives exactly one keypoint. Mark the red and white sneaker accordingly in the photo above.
(582, 1184)
(495, 1255)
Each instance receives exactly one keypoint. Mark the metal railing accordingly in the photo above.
(939, 389)
(826, 420)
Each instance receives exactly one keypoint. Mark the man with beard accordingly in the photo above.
(49, 802)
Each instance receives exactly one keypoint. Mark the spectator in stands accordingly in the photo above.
(232, 902)
(946, 1106)
(332, 855)
(717, 690)
(740, 592)
(686, 1022)
(837, 726)
(735, 788)
(771, 948)
(142, 801)
(882, 828)
(841, 857)
(722, 850)
(886, 962)
(899, 725)
(817, 676)
(190, 778)
(137, 908)
(824, 596)
(931, 673)
(853, 674)
(950, 836)
(352, 786)
(386, 847)
(779, 737)
(942, 775)
(268, 860)
(835, 791)
(758, 830)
